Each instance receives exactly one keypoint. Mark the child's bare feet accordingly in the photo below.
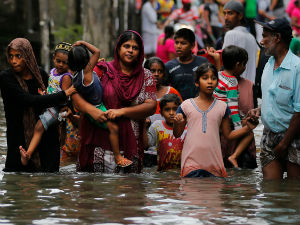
(24, 156)
(123, 162)
(233, 161)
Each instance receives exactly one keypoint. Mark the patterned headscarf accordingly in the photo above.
(24, 47)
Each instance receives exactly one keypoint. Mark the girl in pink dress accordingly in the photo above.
(204, 116)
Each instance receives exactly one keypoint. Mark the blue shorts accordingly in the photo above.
(49, 117)
(200, 173)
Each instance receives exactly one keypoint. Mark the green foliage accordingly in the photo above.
(69, 34)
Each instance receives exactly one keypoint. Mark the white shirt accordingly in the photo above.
(240, 37)
(149, 18)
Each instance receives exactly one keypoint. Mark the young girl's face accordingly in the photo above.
(207, 83)
(60, 62)
(157, 72)
(16, 60)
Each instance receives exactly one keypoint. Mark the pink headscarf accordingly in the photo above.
(120, 90)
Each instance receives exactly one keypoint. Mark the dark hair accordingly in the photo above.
(78, 58)
(233, 54)
(203, 69)
(169, 32)
(152, 60)
(186, 34)
(169, 98)
(127, 36)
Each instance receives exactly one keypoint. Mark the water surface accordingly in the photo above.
(69, 197)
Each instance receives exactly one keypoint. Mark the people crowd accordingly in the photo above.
(183, 94)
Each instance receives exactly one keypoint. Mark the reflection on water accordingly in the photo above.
(149, 198)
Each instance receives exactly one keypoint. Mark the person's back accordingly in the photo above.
(238, 35)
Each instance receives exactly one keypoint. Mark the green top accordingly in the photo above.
(250, 9)
(295, 46)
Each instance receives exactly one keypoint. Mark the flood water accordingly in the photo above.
(69, 197)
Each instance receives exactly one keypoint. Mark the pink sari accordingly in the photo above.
(119, 90)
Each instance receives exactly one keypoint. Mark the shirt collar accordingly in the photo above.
(287, 61)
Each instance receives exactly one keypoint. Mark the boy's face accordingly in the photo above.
(169, 112)
(239, 68)
(183, 47)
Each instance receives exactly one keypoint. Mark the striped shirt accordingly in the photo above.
(183, 17)
(227, 91)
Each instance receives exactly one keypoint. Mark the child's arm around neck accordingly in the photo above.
(88, 70)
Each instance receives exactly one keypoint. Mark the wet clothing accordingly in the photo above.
(280, 93)
(202, 147)
(270, 140)
(181, 76)
(72, 141)
(247, 159)
(16, 101)
(119, 90)
(161, 138)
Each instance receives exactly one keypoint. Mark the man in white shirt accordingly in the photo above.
(149, 28)
(238, 35)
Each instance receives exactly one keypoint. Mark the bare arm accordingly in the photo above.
(88, 70)
(273, 4)
(85, 107)
(234, 134)
(264, 14)
(136, 112)
(179, 125)
(206, 19)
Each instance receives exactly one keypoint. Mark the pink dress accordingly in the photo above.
(202, 147)
(162, 51)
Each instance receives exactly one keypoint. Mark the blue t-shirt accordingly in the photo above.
(92, 92)
(181, 76)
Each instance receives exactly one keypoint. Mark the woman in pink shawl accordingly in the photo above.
(129, 95)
